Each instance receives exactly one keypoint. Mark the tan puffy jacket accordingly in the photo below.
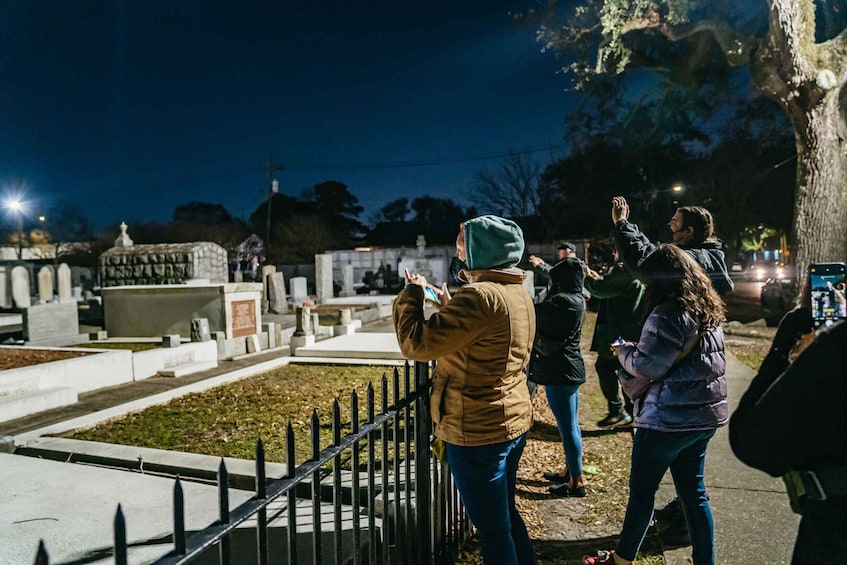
(482, 341)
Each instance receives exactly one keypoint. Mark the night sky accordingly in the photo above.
(129, 109)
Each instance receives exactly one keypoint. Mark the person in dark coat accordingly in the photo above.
(791, 423)
(692, 229)
(557, 364)
(618, 316)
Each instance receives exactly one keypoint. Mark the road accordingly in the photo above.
(743, 304)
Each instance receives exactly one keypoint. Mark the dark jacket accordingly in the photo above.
(556, 358)
(619, 310)
(794, 420)
(685, 394)
(634, 246)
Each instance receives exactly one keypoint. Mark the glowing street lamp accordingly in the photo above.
(16, 206)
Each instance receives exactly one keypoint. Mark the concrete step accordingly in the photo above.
(22, 404)
(242, 472)
(188, 368)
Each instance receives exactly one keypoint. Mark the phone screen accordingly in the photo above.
(431, 295)
(828, 283)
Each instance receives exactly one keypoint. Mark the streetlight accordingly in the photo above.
(16, 206)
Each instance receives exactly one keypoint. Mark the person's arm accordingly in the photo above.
(608, 286)
(457, 324)
(660, 344)
(798, 423)
(633, 246)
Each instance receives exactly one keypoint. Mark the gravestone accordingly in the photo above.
(63, 284)
(298, 290)
(200, 329)
(345, 323)
(303, 335)
(267, 271)
(277, 301)
(20, 287)
(347, 281)
(323, 277)
(5, 287)
(53, 323)
(45, 285)
(123, 239)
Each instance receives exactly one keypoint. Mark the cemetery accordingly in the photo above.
(199, 328)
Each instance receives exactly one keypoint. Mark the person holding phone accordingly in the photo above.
(481, 339)
(791, 423)
(676, 381)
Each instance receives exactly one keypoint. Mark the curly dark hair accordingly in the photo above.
(672, 274)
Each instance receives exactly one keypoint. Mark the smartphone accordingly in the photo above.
(431, 295)
(828, 282)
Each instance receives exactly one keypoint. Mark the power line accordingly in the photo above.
(427, 162)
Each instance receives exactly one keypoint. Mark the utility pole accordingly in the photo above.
(273, 188)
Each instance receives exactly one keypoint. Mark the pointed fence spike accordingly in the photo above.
(179, 518)
(121, 557)
(41, 556)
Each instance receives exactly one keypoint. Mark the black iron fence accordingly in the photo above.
(391, 500)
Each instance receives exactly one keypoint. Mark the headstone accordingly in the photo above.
(323, 277)
(253, 344)
(7, 444)
(123, 240)
(5, 287)
(63, 283)
(267, 271)
(238, 276)
(20, 287)
(76, 293)
(304, 321)
(200, 329)
(277, 301)
(298, 290)
(345, 323)
(171, 340)
(45, 285)
(303, 335)
(347, 281)
(270, 329)
(99, 335)
(51, 324)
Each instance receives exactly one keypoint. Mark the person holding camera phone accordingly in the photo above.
(481, 338)
(675, 377)
(771, 429)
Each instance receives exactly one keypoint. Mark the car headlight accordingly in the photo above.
(760, 273)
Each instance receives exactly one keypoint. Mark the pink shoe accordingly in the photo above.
(602, 558)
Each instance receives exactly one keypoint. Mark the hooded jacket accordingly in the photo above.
(634, 246)
(481, 340)
(556, 358)
(687, 394)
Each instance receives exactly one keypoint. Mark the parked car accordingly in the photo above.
(778, 297)
(764, 270)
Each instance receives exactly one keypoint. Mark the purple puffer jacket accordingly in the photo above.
(688, 396)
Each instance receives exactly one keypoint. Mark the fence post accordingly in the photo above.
(423, 494)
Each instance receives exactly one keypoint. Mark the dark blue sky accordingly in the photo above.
(129, 109)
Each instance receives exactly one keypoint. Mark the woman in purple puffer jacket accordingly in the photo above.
(675, 376)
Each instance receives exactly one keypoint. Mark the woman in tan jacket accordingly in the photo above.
(480, 404)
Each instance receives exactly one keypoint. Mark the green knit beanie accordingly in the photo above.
(492, 242)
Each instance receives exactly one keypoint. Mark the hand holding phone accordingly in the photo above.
(431, 294)
(828, 283)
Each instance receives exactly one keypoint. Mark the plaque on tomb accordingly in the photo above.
(243, 317)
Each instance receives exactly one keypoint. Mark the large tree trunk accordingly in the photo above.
(808, 81)
(820, 205)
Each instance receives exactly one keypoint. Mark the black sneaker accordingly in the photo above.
(671, 512)
(675, 535)
(615, 421)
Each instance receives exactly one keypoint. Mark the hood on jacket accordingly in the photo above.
(492, 242)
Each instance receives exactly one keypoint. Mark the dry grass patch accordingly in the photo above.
(227, 420)
(15, 358)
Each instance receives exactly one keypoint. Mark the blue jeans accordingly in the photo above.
(564, 403)
(653, 452)
(485, 476)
